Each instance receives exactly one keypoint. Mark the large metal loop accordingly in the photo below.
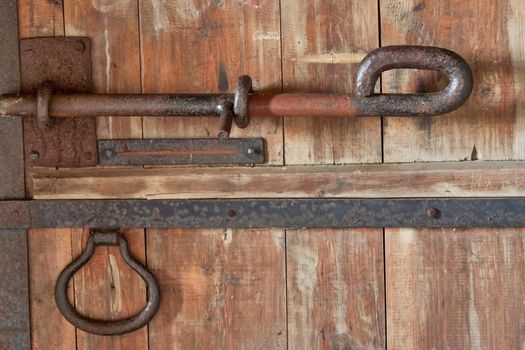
(413, 57)
(107, 327)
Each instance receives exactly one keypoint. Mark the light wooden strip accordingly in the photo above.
(468, 179)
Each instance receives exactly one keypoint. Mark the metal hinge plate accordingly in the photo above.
(65, 62)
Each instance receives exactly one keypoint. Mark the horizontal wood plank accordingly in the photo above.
(444, 179)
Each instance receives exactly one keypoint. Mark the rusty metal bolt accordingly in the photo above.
(433, 213)
(34, 155)
(109, 153)
(231, 213)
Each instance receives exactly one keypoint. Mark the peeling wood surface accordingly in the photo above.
(443, 179)
(457, 289)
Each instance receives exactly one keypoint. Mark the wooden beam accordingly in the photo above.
(442, 179)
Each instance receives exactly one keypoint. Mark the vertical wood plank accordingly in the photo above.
(49, 250)
(335, 289)
(114, 32)
(204, 46)
(457, 288)
(40, 18)
(334, 277)
(107, 287)
(49, 253)
(222, 289)
(323, 43)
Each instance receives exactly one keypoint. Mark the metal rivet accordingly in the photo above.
(433, 213)
(80, 46)
(251, 150)
(109, 152)
(231, 213)
(35, 155)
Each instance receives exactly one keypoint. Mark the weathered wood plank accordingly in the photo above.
(323, 43)
(49, 250)
(113, 29)
(468, 179)
(106, 288)
(204, 46)
(40, 18)
(457, 288)
(222, 289)
(335, 298)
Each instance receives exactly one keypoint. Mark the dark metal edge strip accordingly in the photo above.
(14, 277)
(181, 151)
(264, 213)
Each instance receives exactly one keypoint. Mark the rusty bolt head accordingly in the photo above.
(433, 213)
(231, 213)
(109, 152)
(34, 155)
(80, 46)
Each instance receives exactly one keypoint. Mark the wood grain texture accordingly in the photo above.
(457, 288)
(487, 34)
(221, 289)
(49, 252)
(107, 288)
(204, 46)
(443, 179)
(40, 18)
(323, 43)
(113, 29)
(335, 289)
(331, 305)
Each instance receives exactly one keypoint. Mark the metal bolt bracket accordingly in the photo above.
(106, 327)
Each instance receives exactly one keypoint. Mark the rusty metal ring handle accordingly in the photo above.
(416, 104)
(107, 327)
(240, 107)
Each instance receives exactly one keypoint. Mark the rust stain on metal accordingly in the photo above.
(64, 64)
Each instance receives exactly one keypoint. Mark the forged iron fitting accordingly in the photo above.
(247, 104)
(107, 327)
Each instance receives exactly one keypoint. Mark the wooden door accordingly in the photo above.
(307, 288)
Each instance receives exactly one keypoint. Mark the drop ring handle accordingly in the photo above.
(107, 327)
(414, 104)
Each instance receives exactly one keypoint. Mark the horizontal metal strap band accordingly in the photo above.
(265, 213)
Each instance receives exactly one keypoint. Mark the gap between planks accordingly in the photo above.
(439, 179)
